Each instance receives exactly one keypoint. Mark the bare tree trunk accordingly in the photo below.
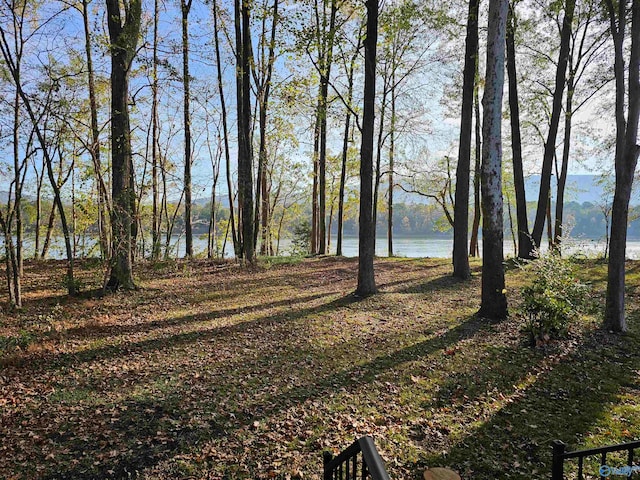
(494, 300)
(345, 152)
(211, 231)
(564, 170)
(392, 145)
(185, 7)
(316, 175)
(461, 214)
(379, 145)
(264, 89)
(245, 150)
(71, 286)
(366, 275)
(17, 203)
(325, 75)
(14, 289)
(525, 245)
(549, 224)
(94, 151)
(47, 237)
(39, 180)
(626, 158)
(124, 40)
(74, 213)
(477, 210)
(225, 132)
(512, 230)
(156, 219)
(10, 266)
(550, 144)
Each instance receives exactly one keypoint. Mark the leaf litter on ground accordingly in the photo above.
(213, 371)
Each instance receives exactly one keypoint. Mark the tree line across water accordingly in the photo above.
(585, 220)
(326, 107)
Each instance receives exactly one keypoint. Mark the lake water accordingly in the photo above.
(443, 247)
(416, 247)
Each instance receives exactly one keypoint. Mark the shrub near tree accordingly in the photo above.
(554, 298)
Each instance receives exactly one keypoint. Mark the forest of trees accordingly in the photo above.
(117, 116)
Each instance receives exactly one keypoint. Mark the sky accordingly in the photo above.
(438, 136)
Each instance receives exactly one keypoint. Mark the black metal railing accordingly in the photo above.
(560, 455)
(361, 460)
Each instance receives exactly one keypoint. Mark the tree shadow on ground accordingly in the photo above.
(193, 414)
(443, 283)
(57, 360)
(130, 404)
(563, 395)
(99, 331)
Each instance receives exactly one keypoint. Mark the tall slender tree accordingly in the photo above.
(345, 141)
(124, 30)
(262, 77)
(525, 245)
(550, 143)
(156, 219)
(225, 130)
(477, 208)
(494, 300)
(461, 210)
(245, 150)
(366, 239)
(392, 150)
(94, 148)
(586, 47)
(185, 8)
(627, 152)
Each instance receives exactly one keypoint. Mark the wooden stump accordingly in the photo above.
(440, 473)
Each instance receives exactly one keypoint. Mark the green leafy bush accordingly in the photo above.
(68, 281)
(554, 297)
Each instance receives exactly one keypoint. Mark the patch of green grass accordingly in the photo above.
(21, 341)
(73, 396)
(268, 262)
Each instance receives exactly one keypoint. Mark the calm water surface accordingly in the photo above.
(416, 247)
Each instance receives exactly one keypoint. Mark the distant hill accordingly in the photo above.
(580, 189)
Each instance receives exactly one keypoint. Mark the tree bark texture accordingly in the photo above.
(225, 132)
(494, 300)
(392, 148)
(245, 149)
(185, 7)
(366, 240)
(525, 245)
(124, 40)
(156, 207)
(461, 208)
(477, 208)
(626, 158)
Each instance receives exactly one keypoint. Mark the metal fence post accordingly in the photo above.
(557, 466)
(326, 458)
